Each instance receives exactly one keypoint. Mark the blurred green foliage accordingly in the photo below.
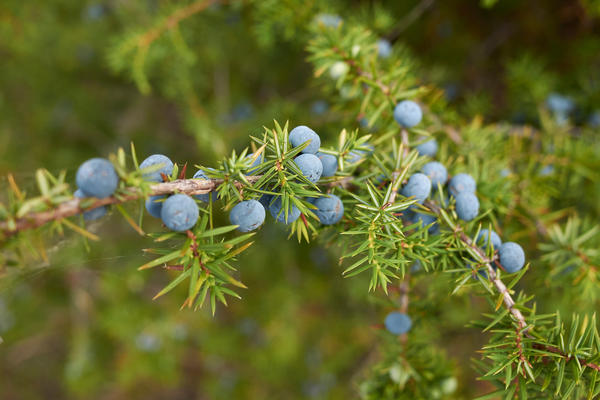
(79, 79)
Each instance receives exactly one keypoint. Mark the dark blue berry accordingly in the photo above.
(330, 164)
(93, 214)
(485, 235)
(154, 205)
(276, 210)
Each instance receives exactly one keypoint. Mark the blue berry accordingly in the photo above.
(330, 209)
(255, 164)
(248, 215)
(329, 20)
(154, 205)
(462, 183)
(467, 206)
(436, 172)
(357, 155)
(205, 197)
(384, 48)
(301, 134)
(418, 186)
(397, 323)
(97, 178)
(276, 210)
(483, 239)
(415, 267)
(330, 164)
(560, 104)
(179, 212)
(265, 200)
(319, 107)
(310, 165)
(428, 148)
(547, 170)
(425, 220)
(166, 167)
(594, 119)
(407, 113)
(91, 215)
(511, 257)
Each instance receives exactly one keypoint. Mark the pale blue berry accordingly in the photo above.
(436, 172)
(166, 167)
(485, 235)
(425, 220)
(97, 178)
(248, 215)
(93, 214)
(301, 134)
(511, 257)
(397, 323)
(407, 113)
(462, 183)
(329, 20)
(310, 165)
(179, 212)
(255, 164)
(418, 186)
(384, 48)
(560, 104)
(154, 205)
(428, 148)
(276, 210)
(467, 206)
(330, 209)
(330, 164)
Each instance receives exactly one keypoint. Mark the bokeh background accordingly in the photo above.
(83, 325)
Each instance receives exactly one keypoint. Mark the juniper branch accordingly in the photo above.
(73, 206)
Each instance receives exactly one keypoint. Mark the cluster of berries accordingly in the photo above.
(250, 214)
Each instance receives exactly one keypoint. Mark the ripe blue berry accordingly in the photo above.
(329, 20)
(301, 134)
(310, 165)
(276, 210)
(255, 164)
(436, 172)
(97, 178)
(418, 186)
(397, 323)
(357, 155)
(384, 48)
(426, 219)
(91, 215)
(154, 205)
(265, 200)
(462, 183)
(560, 104)
(205, 197)
(179, 212)
(407, 113)
(166, 167)
(483, 236)
(467, 206)
(511, 257)
(249, 215)
(428, 148)
(330, 209)
(330, 164)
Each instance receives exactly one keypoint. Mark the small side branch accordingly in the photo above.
(73, 207)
